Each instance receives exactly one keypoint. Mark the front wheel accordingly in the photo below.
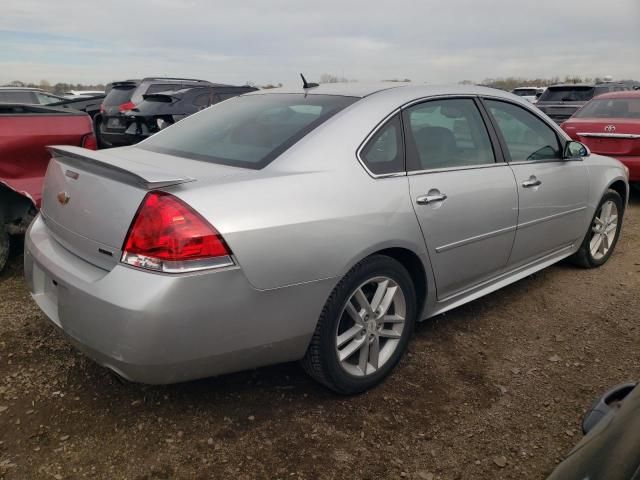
(603, 234)
(364, 327)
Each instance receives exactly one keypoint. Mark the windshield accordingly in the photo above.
(611, 108)
(525, 92)
(247, 131)
(567, 94)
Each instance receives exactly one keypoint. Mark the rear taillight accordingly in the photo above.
(125, 107)
(167, 235)
(89, 141)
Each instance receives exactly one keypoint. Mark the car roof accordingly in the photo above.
(30, 89)
(625, 94)
(399, 91)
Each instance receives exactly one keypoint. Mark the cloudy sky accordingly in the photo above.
(432, 41)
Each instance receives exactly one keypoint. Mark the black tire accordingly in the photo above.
(321, 360)
(583, 257)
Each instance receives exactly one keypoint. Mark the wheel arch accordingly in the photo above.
(622, 188)
(414, 265)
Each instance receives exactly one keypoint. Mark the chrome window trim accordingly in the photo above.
(364, 143)
(609, 135)
(456, 169)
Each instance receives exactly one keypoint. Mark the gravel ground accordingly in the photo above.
(495, 389)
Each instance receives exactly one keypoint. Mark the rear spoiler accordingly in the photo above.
(125, 171)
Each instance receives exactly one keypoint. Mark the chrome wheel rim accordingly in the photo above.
(604, 230)
(370, 326)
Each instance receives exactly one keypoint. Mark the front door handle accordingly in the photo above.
(532, 182)
(431, 197)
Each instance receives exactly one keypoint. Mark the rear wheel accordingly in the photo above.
(603, 234)
(364, 327)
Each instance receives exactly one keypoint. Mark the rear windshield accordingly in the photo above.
(526, 92)
(611, 108)
(247, 131)
(568, 94)
(119, 95)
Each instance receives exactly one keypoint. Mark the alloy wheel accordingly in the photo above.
(604, 230)
(370, 326)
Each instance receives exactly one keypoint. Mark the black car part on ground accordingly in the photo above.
(610, 450)
(159, 109)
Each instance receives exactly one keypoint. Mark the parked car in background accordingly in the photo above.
(530, 94)
(25, 131)
(610, 125)
(31, 96)
(122, 97)
(560, 102)
(610, 449)
(72, 94)
(90, 105)
(315, 224)
(160, 110)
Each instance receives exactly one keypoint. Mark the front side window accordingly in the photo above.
(384, 153)
(45, 99)
(249, 131)
(446, 134)
(527, 137)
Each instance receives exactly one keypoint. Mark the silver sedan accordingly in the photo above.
(314, 224)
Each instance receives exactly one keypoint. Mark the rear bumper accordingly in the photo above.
(158, 329)
(633, 164)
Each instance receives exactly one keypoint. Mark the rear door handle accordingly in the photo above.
(431, 198)
(532, 182)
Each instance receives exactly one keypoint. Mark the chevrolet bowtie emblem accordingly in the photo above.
(63, 198)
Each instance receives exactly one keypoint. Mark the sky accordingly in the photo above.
(271, 41)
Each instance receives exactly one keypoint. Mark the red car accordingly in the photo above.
(610, 125)
(25, 131)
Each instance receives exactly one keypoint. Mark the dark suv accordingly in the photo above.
(560, 102)
(159, 110)
(122, 97)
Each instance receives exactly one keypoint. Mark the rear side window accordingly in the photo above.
(119, 95)
(527, 137)
(611, 108)
(446, 134)
(17, 97)
(247, 132)
(384, 152)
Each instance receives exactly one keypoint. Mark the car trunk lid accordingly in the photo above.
(609, 136)
(91, 197)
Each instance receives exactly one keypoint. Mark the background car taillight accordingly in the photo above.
(89, 141)
(125, 107)
(167, 235)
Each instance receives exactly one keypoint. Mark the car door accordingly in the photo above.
(464, 195)
(552, 191)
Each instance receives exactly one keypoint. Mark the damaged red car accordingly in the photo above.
(25, 132)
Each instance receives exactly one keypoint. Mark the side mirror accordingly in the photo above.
(575, 150)
(538, 94)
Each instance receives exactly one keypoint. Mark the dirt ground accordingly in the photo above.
(495, 389)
